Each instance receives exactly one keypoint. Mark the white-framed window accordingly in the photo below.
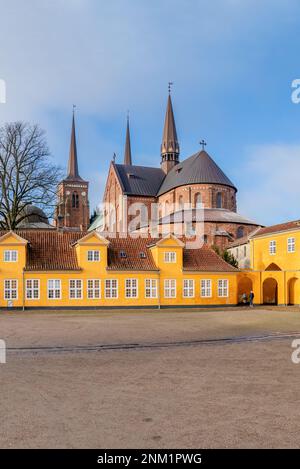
(111, 288)
(93, 256)
(188, 288)
(206, 288)
(291, 245)
(54, 289)
(93, 289)
(10, 255)
(11, 289)
(75, 289)
(131, 288)
(170, 257)
(223, 288)
(272, 247)
(170, 288)
(150, 288)
(32, 289)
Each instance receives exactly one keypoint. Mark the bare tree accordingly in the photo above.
(26, 174)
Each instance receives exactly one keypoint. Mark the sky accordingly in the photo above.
(232, 63)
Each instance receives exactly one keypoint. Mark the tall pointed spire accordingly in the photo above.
(73, 163)
(169, 146)
(127, 153)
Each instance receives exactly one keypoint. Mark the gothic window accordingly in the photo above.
(240, 232)
(219, 200)
(180, 202)
(75, 200)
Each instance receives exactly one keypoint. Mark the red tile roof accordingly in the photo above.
(52, 250)
(205, 260)
(291, 225)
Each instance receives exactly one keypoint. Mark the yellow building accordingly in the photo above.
(65, 269)
(275, 262)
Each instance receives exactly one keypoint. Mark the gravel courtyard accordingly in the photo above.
(148, 379)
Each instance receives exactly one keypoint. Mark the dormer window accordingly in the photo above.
(170, 257)
(142, 255)
(123, 255)
(93, 256)
(10, 256)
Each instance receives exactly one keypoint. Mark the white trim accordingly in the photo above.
(170, 257)
(170, 288)
(151, 288)
(76, 288)
(10, 252)
(93, 288)
(206, 288)
(54, 288)
(116, 288)
(291, 242)
(32, 288)
(131, 288)
(94, 253)
(10, 289)
(222, 288)
(188, 288)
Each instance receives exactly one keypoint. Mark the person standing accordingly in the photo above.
(251, 298)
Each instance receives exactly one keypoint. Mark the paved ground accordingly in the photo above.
(163, 379)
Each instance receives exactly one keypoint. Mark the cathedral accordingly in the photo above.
(175, 187)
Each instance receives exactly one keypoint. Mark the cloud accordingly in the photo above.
(270, 190)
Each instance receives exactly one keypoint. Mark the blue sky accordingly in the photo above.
(232, 63)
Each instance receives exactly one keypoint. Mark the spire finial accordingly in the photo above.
(170, 83)
(74, 107)
(127, 153)
(73, 163)
(203, 143)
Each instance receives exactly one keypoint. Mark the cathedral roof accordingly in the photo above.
(139, 180)
(199, 168)
(216, 215)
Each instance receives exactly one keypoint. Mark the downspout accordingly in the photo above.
(159, 289)
(23, 290)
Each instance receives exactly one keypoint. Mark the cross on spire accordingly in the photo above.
(203, 143)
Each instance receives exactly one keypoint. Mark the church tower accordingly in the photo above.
(72, 211)
(169, 147)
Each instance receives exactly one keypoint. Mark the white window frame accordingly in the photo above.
(131, 288)
(10, 255)
(291, 244)
(170, 288)
(32, 286)
(170, 257)
(93, 288)
(56, 287)
(9, 289)
(93, 255)
(272, 247)
(151, 288)
(76, 288)
(188, 288)
(205, 288)
(109, 288)
(223, 288)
